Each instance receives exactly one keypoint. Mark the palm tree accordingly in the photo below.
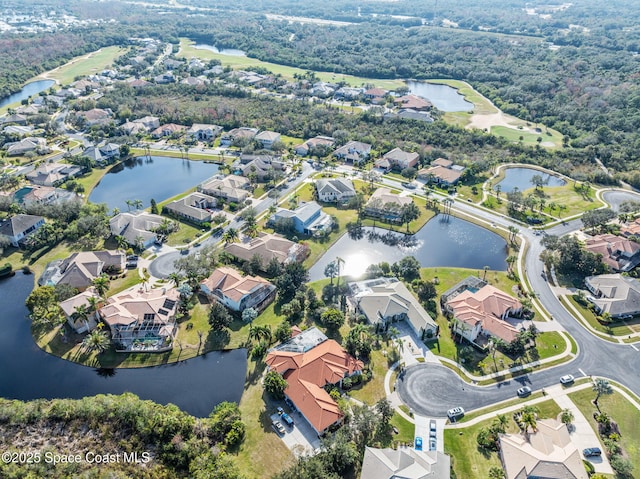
(513, 232)
(230, 236)
(138, 204)
(495, 344)
(484, 276)
(510, 260)
(339, 261)
(260, 332)
(96, 340)
(330, 271)
(129, 204)
(101, 283)
(601, 387)
(82, 313)
(122, 243)
(176, 278)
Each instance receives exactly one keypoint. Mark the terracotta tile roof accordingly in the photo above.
(132, 305)
(307, 374)
(487, 307)
(631, 229)
(232, 284)
(413, 102)
(620, 254)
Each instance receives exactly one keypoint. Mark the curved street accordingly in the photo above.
(431, 390)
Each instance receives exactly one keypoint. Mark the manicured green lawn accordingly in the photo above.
(406, 429)
(616, 329)
(372, 391)
(86, 64)
(622, 412)
(528, 138)
(468, 459)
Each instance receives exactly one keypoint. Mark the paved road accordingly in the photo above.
(431, 390)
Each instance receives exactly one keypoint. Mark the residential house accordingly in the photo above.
(202, 132)
(375, 95)
(195, 207)
(80, 269)
(28, 110)
(133, 128)
(335, 190)
(385, 204)
(110, 151)
(228, 138)
(54, 174)
(413, 102)
(192, 81)
(70, 308)
(267, 138)
(409, 114)
(268, 246)
(312, 143)
(18, 130)
(618, 253)
(481, 309)
(149, 122)
(262, 167)
(321, 362)
(42, 195)
(142, 320)
(547, 452)
(348, 93)
(398, 159)
(139, 83)
(93, 153)
(386, 300)
(230, 188)
(19, 227)
(404, 463)
(322, 89)
(136, 225)
(96, 116)
(227, 286)
(170, 129)
(614, 294)
(308, 218)
(631, 229)
(14, 118)
(354, 151)
(164, 78)
(442, 171)
(30, 144)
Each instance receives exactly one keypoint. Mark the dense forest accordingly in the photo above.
(169, 443)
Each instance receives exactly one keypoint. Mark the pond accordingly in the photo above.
(195, 385)
(521, 178)
(28, 90)
(446, 242)
(443, 97)
(143, 178)
(232, 52)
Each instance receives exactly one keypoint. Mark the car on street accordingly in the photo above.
(567, 379)
(418, 444)
(592, 452)
(524, 391)
(455, 413)
(432, 429)
(278, 427)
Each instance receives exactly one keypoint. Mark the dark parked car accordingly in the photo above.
(592, 451)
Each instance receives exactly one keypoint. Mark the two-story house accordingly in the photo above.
(19, 227)
(308, 218)
(227, 286)
(335, 190)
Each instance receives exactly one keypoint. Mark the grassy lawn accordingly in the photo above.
(621, 411)
(372, 391)
(90, 180)
(187, 50)
(176, 154)
(84, 65)
(185, 234)
(528, 138)
(131, 277)
(406, 429)
(590, 317)
(468, 459)
(262, 453)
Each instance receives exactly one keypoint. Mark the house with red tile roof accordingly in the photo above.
(227, 286)
(308, 370)
(618, 253)
(631, 229)
(413, 102)
(398, 159)
(483, 311)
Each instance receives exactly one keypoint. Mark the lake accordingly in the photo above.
(195, 385)
(452, 243)
(520, 178)
(443, 97)
(232, 52)
(142, 178)
(27, 91)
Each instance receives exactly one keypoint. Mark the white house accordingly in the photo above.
(227, 286)
(335, 190)
(18, 227)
